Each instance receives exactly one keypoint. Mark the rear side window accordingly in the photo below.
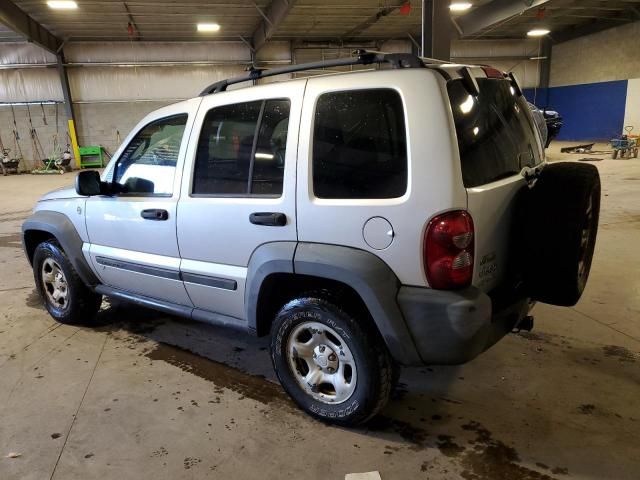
(359, 145)
(241, 150)
(496, 138)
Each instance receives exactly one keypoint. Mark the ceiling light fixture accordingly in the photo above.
(460, 6)
(208, 27)
(62, 4)
(538, 32)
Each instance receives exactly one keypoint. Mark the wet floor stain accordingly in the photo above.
(489, 458)
(621, 353)
(255, 387)
(191, 462)
(448, 447)
(34, 300)
(586, 409)
(11, 241)
(161, 452)
(537, 337)
(415, 436)
(482, 458)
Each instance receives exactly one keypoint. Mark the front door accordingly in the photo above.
(239, 190)
(132, 234)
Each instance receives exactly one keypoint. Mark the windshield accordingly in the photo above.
(496, 138)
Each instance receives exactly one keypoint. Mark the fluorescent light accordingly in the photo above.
(460, 6)
(62, 4)
(264, 156)
(208, 27)
(538, 32)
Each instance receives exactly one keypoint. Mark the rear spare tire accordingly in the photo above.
(560, 227)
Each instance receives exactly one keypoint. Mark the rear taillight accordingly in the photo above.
(448, 250)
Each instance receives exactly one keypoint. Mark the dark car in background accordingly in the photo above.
(553, 121)
(548, 122)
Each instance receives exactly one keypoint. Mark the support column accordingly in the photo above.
(545, 68)
(68, 106)
(436, 29)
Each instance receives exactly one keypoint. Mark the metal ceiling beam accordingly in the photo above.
(21, 23)
(132, 22)
(494, 12)
(372, 20)
(273, 15)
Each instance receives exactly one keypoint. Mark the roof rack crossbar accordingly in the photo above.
(362, 57)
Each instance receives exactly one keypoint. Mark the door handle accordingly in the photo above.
(270, 219)
(154, 214)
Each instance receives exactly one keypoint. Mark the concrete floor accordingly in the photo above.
(148, 396)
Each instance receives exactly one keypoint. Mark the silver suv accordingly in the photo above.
(398, 215)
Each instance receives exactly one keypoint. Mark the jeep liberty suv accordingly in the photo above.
(398, 215)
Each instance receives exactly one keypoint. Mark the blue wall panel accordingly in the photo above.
(592, 111)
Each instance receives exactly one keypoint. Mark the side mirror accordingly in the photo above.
(88, 183)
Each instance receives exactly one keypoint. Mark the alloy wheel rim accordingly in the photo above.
(321, 363)
(55, 284)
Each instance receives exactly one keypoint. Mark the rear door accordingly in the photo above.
(496, 141)
(239, 190)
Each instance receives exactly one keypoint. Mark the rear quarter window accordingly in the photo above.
(359, 145)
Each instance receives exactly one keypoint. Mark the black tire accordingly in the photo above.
(82, 304)
(615, 154)
(560, 228)
(373, 363)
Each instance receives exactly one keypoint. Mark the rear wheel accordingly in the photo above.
(561, 225)
(328, 363)
(66, 297)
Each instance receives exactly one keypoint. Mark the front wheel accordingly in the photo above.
(66, 297)
(329, 363)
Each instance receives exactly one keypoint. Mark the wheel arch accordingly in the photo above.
(44, 225)
(279, 271)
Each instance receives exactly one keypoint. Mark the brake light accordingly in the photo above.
(491, 72)
(448, 250)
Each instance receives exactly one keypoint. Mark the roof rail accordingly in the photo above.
(361, 57)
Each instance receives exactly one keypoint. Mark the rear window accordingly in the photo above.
(496, 138)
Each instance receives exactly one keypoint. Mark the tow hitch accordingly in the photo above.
(525, 324)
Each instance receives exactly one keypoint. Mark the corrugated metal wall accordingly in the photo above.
(134, 71)
(114, 84)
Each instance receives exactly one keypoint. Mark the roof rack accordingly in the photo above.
(361, 57)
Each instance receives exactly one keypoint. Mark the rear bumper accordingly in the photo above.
(453, 327)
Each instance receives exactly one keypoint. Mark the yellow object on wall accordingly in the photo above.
(74, 143)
